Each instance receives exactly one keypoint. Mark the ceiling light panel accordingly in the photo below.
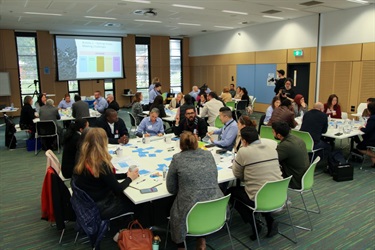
(189, 24)
(273, 17)
(235, 12)
(42, 14)
(358, 1)
(137, 1)
(188, 6)
(101, 17)
(147, 21)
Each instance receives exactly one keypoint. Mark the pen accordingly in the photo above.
(141, 181)
(158, 185)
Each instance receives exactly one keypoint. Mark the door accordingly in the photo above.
(300, 73)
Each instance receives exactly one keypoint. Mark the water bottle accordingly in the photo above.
(164, 173)
(155, 242)
(12, 106)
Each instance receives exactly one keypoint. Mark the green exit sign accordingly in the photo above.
(298, 52)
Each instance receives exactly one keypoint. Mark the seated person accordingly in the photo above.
(154, 92)
(283, 113)
(287, 92)
(192, 177)
(100, 104)
(299, 105)
(114, 127)
(158, 103)
(177, 101)
(211, 108)
(71, 146)
(292, 154)
(226, 95)
(191, 122)
(369, 136)
(27, 115)
(365, 112)
(151, 126)
(49, 112)
(80, 108)
(112, 104)
(228, 133)
(95, 174)
(243, 121)
(275, 104)
(137, 107)
(255, 164)
(66, 102)
(332, 107)
(188, 103)
(41, 101)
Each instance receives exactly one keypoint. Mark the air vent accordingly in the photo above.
(138, 12)
(203, 30)
(271, 11)
(311, 3)
(146, 12)
(112, 25)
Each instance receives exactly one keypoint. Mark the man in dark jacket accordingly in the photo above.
(114, 127)
(280, 82)
(112, 104)
(191, 122)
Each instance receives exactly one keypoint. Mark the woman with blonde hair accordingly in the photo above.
(192, 177)
(95, 174)
(226, 96)
(177, 101)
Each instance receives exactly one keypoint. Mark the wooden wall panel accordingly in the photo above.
(312, 86)
(339, 53)
(160, 60)
(355, 87)
(341, 85)
(367, 88)
(326, 80)
(242, 58)
(273, 56)
(368, 52)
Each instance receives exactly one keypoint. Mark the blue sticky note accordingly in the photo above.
(144, 152)
(127, 145)
(219, 168)
(151, 155)
(143, 171)
(158, 151)
(123, 164)
(149, 148)
(175, 139)
(111, 152)
(142, 155)
(161, 166)
(168, 159)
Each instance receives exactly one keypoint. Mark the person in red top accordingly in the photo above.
(332, 107)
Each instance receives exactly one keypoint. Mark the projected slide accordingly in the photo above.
(89, 57)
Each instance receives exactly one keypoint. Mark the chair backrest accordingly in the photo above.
(91, 120)
(266, 132)
(46, 128)
(272, 195)
(261, 122)
(53, 161)
(218, 122)
(132, 119)
(253, 102)
(306, 137)
(207, 216)
(308, 177)
(231, 104)
(344, 115)
(164, 95)
(241, 105)
(362, 106)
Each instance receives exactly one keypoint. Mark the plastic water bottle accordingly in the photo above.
(12, 106)
(164, 173)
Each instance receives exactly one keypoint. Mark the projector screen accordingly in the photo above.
(85, 57)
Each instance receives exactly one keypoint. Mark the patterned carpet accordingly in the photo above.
(347, 220)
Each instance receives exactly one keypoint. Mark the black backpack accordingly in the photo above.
(338, 167)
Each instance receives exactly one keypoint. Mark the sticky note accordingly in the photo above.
(123, 164)
(111, 152)
(158, 151)
(142, 155)
(143, 171)
(168, 159)
(219, 168)
(161, 166)
(151, 155)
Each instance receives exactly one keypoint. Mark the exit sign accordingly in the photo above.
(298, 52)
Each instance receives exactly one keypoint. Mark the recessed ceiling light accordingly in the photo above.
(273, 17)
(188, 6)
(190, 24)
(147, 21)
(234, 12)
(43, 14)
(286, 8)
(101, 17)
(137, 1)
(224, 27)
(358, 1)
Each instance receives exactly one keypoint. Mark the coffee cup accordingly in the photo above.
(146, 140)
(167, 139)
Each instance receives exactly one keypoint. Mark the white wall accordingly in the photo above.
(355, 25)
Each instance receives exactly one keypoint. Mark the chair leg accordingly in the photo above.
(61, 236)
(317, 204)
(58, 144)
(255, 226)
(230, 237)
(36, 146)
(75, 240)
(291, 223)
(166, 236)
(308, 215)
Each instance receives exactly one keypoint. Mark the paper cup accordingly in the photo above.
(167, 139)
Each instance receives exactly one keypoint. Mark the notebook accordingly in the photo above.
(144, 182)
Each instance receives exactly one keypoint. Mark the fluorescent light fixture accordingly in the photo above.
(137, 1)
(286, 8)
(147, 21)
(101, 17)
(224, 27)
(234, 12)
(358, 1)
(274, 17)
(42, 14)
(188, 6)
(189, 24)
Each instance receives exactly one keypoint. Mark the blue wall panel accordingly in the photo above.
(246, 77)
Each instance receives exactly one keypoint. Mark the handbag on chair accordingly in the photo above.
(135, 239)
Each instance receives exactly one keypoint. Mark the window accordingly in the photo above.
(175, 65)
(73, 88)
(108, 87)
(142, 58)
(28, 65)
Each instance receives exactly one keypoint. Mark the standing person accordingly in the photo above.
(332, 107)
(299, 105)
(112, 104)
(95, 174)
(71, 146)
(152, 85)
(194, 92)
(255, 164)
(287, 91)
(28, 115)
(80, 108)
(42, 99)
(211, 108)
(232, 90)
(177, 101)
(226, 96)
(243, 121)
(280, 82)
(274, 104)
(100, 104)
(292, 153)
(158, 103)
(283, 113)
(114, 126)
(137, 107)
(151, 126)
(192, 177)
(228, 133)
(66, 102)
(191, 122)
(154, 92)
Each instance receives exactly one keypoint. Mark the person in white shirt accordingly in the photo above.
(212, 108)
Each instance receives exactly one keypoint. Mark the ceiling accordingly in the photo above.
(87, 16)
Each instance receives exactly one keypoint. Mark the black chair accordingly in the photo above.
(91, 120)
(261, 121)
(46, 129)
(133, 123)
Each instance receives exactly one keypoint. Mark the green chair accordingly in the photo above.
(164, 95)
(306, 137)
(205, 218)
(306, 186)
(271, 197)
(232, 105)
(218, 122)
(266, 132)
